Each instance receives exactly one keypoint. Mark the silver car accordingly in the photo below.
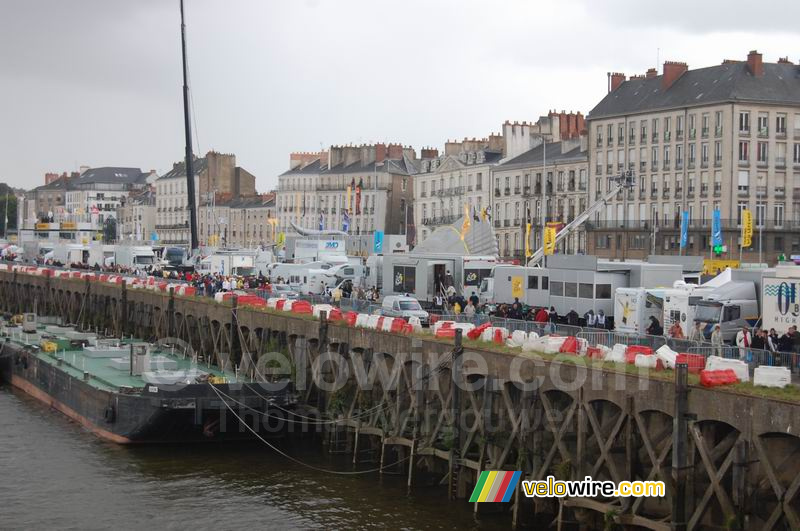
(404, 307)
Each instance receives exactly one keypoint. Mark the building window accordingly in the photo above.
(761, 155)
(744, 122)
(602, 291)
(778, 215)
(744, 151)
(780, 124)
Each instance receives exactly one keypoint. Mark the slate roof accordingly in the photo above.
(404, 166)
(199, 165)
(110, 174)
(533, 157)
(730, 82)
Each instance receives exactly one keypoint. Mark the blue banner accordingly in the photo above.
(321, 222)
(684, 229)
(716, 228)
(345, 222)
(378, 242)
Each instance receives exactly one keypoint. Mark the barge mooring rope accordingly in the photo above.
(316, 420)
(297, 461)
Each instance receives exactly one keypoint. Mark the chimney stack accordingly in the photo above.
(754, 63)
(785, 61)
(617, 79)
(672, 71)
(651, 72)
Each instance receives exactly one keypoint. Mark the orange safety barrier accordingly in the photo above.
(350, 318)
(696, 362)
(569, 346)
(302, 307)
(335, 315)
(476, 332)
(446, 332)
(633, 350)
(716, 378)
(498, 337)
(594, 353)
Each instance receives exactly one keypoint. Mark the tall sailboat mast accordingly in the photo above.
(189, 155)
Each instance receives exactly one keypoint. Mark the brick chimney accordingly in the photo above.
(617, 79)
(785, 61)
(754, 63)
(395, 151)
(651, 72)
(672, 71)
(380, 152)
(429, 153)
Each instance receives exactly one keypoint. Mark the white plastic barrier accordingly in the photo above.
(362, 321)
(536, 344)
(553, 344)
(645, 361)
(272, 302)
(667, 356)
(465, 327)
(416, 324)
(583, 346)
(287, 306)
(372, 322)
(772, 376)
(488, 334)
(386, 326)
(517, 339)
(317, 308)
(716, 363)
(617, 354)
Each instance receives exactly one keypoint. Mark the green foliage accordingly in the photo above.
(11, 213)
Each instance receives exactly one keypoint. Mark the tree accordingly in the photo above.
(11, 214)
(110, 230)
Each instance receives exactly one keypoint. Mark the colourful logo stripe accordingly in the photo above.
(481, 482)
(512, 485)
(495, 486)
(487, 486)
(504, 478)
(498, 482)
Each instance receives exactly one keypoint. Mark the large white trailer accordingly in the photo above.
(424, 275)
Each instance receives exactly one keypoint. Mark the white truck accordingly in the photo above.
(71, 253)
(633, 308)
(134, 256)
(781, 299)
(424, 275)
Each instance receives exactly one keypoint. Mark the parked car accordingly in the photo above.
(403, 307)
(283, 291)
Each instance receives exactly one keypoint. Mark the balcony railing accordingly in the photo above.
(632, 139)
(780, 162)
(704, 132)
(718, 131)
(440, 220)
(679, 134)
(497, 192)
(507, 190)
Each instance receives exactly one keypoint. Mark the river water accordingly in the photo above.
(54, 474)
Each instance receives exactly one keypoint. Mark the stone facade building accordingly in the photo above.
(215, 175)
(724, 137)
(313, 192)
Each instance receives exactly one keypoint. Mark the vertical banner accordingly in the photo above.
(684, 229)
(466, 225)
(346, 221)
(321, 221)
(747, 228)
(716, 228)
(378, 242)
(528, 252)
(358, 196)
(349, 197)
(549, 240)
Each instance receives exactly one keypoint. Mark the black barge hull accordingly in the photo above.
(157, 414)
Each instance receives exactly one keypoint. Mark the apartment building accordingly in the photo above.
(215, 175)
(136, 216)
(462, 175)
(243, 222)
(723, 137)
(313, 192)
(518, 189)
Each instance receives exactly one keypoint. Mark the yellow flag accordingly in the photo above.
(516, 287)
(466, 225)
(281, 238)
(549, 240)
(528, 252)
(747, 228)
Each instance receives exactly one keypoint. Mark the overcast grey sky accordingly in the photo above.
(97, 82)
